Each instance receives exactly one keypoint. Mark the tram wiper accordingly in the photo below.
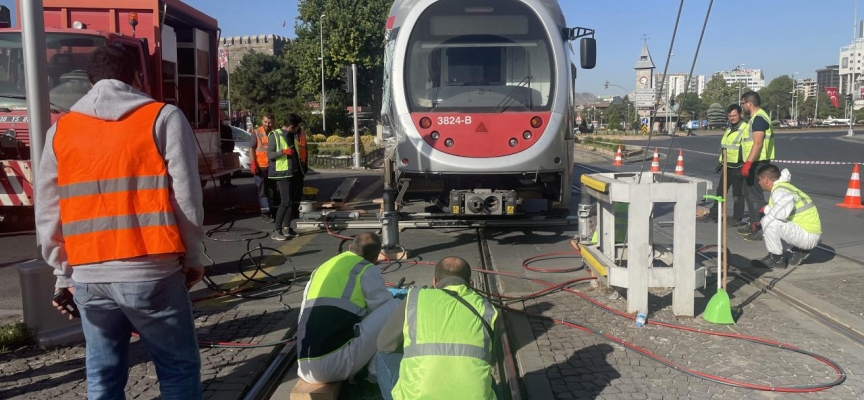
(505, 104)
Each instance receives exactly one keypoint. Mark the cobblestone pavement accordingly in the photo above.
(59, 373)
(582, 365)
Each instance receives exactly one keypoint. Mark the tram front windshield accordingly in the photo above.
(481, 56)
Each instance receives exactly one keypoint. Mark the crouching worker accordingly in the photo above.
(439, 344)
(790, 216)
(344, 307)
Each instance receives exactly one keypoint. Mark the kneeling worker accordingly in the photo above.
(790, 216)
(344, 307)
(439, 346)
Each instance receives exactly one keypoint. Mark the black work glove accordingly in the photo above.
(719, 168)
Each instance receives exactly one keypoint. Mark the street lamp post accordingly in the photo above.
(323, 99)
(228, 75)
(739, 83)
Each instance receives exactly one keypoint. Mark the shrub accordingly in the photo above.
(334, 139)
(318, 138)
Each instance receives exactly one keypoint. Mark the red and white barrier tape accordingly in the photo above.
(799, 162)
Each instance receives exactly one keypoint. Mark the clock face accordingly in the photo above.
(643, 80)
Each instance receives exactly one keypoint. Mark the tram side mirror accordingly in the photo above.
(588, 52)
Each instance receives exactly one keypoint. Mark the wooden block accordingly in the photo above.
(314, 391)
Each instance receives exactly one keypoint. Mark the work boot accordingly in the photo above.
(773, 261)
(735, 223)
(291, 233)
(746, 229)
(798, 256)
(710, 217)
(753, 236)
(267, 219)
(278, 236)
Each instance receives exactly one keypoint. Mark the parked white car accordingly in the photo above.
(241, 146)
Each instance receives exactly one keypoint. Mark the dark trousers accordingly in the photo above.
(736, 181)
(297, 195)
(755, 195)
(268, 192)
(287, 189)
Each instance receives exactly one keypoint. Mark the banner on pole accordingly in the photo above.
(832, 94)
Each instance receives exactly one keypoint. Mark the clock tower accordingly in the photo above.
(644, 69)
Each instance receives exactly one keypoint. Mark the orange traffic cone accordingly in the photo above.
(679, 167)
(618, 158)
(853, 193)
(655, 162)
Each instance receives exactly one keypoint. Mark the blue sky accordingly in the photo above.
(779, 36)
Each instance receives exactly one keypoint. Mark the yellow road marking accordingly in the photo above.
(268, 265)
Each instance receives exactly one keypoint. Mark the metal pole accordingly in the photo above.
(228, 72)
(323, 99)
(356, 129)
(35, 65)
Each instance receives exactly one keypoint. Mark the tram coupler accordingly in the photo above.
(584, 211)
(390, 248)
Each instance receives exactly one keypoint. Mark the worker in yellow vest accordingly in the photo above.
(731, 145)
(758, 149)
(267, 191)
(344, 307)
(790, 217)
(439, 344)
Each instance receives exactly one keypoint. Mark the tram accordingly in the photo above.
(479, 103)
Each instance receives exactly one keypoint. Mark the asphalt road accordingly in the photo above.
(826, 184)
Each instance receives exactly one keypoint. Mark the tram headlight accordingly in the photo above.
(536, 122)
(527, 135)
(449, 142)
(425, 123)
(435, 135)
(404, 161)
(514, 142)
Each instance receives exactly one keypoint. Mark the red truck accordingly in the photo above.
(176, 50)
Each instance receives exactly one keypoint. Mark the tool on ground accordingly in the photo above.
(718, 310)
(853, 192)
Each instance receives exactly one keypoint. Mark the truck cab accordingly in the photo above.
(175, 47)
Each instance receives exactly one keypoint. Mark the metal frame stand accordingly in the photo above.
(390, 247)
(631, 265)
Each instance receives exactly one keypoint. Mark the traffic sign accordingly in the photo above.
(645, 121)
(644, 128)
(644, 98)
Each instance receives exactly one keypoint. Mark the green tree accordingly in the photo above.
(716, 115)
(353, 32)
(777, 97)
(691, 106)
(263, 82)
(717, 91)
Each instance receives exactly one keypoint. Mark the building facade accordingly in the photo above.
(828, 77)
(851, 60)
(238, 46)
(752, 78)
(808, 88)
(677, 83)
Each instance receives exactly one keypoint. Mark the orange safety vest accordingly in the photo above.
(114, 205)
(303, 152)
(261, 148)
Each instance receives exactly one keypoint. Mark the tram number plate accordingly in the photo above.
(466, 120)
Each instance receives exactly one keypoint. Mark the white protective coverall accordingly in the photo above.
(776, 226)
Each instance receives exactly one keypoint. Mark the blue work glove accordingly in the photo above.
(398, 293)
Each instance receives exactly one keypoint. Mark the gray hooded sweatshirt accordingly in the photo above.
(110, 100)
